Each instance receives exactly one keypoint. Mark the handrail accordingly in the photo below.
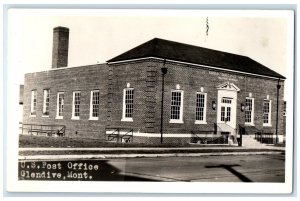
(42, 124)
(49, 129)
(128, 132)
(118, 135)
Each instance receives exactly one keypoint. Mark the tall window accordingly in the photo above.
(201, 108)
(33, 103)
(60, 105)
(94, 105)
(76, 105)
(176, 106)
(249, 110)
(128, 104)
(46, 102)
(226, 109)
(267, 113)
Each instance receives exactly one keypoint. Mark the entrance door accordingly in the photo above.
(227, 104)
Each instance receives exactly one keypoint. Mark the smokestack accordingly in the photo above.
(60, 47)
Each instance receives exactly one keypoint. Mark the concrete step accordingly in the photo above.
(250, 141)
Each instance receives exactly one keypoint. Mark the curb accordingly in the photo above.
(107, 156)
(151, 148)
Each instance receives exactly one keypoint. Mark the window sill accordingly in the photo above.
(249, 124)
(75, 118)
(59, 117)
(176, 121)
(93, 118)
(267, 125)
(200, 122)
(32, 115)
(127, 119)
(46, 116)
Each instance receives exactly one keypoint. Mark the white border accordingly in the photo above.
(177, 187)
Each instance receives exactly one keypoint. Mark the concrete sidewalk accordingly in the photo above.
(152, 148)
(104, 156)
(134, 152)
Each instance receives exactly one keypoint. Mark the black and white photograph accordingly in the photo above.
(199, 100)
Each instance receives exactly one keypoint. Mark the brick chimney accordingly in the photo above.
(60, 47)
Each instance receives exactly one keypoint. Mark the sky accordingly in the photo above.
(99, 35)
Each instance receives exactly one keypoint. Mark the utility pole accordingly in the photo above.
(164, 71)
(278, 87)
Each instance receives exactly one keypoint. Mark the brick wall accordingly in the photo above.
(146, 79)
(67, 80)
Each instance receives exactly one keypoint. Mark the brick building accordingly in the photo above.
(208, 94)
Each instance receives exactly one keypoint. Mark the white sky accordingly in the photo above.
(99, 35)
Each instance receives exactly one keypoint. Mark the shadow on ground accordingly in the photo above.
(230, 168)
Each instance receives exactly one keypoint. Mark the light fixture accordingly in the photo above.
(278, 86)
(242, 107)
(214, 105)
(164, 70)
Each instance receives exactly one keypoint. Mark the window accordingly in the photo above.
(226, 109)
(201, 108)
(46, 102)
(226, 100)
(228, 113)
(60, 105)
(249, 110)
(222, 113)
(76, 105)
(176, 106)
(128, 104)
(33, 103)
(94, 105)
(267, 113)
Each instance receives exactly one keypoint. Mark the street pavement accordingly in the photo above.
(202, 168)
(251, 168)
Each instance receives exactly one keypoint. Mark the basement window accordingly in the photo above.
(94, 105)
(33, 103)
(176, 106)
(127, 104)
(76, 105)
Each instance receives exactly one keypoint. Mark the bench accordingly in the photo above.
(47, 132)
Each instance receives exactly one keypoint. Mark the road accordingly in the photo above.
(234, 168)
(251, 168)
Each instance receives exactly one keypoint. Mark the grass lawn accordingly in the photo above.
(43, 141)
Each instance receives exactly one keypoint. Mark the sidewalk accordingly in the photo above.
(133, 152)
(149, 148)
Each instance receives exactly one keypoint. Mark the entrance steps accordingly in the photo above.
(250, 141)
